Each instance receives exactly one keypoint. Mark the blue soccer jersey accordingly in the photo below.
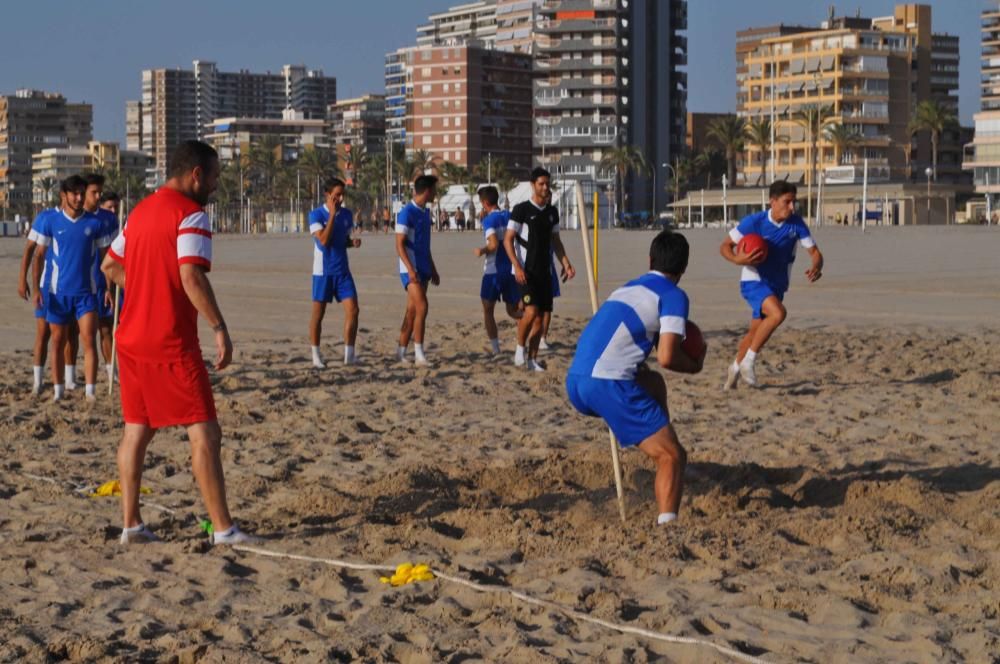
(776, 270)
(33, 235)
(415, 223)
(74, 245)
(110, 222)
(495, 224)
(620, 335)
(331, 260)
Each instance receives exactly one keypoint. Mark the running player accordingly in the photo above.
(24, 291)
(416, 265)
(763, 283)
(534, 228)
(498, 282)
(609, 377)
(75, 236)
(164, 255)
(331, 272)
(105, 303)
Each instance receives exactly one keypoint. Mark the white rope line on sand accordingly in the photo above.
(478, 587)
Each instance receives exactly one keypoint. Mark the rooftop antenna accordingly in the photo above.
(833, 12)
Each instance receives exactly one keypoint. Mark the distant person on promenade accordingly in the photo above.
(164, 255)
(386, 220)
(460, 219)
(331, 271)
(416, 265)
(765, 278)
(498, 282)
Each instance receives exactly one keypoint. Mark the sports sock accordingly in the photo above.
(418, 352)
(59, 391)
(666, 517)
(749, 358)
(89, 390)
(348, 354)
(315, 356)
(70, 375)
(519, 355)
(37, 373)
(400, 352)
(495, 345)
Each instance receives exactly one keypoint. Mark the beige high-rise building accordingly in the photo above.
(872, 73)
(52, 165)
(31, 121)
(982, 155)
(516, 21)
(473, 21)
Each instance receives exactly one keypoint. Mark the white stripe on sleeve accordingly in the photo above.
(194, 245)
(491, 231)
(735, 235)
(197, 220)
(315, 227)
(118, 246)
(673, 325)
(807, 242)
(402, 229)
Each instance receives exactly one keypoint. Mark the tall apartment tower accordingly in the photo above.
(472, 104)
(516, 21)
(608, 75)
(473, 21)
(30, 121)
(398, 94)
(179, 105)
(982, 156)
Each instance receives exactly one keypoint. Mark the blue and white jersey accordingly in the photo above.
(33, 236)
(415, 223)
(620, 335)
(331, 260)
(495, 224)
(110, 222)
(74, 245)
(782, 238)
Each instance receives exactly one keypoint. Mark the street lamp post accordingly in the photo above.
(672, 174)
(928, 172)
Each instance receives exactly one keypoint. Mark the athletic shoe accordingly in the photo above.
(138, 535)
(421, 362)
(318, 365)
(534, 366)
(732, 376)
(234, 536)
(747, 373)
(543, 345)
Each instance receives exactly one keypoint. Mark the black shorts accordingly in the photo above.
(538, 291)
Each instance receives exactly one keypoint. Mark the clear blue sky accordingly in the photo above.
(96, 52)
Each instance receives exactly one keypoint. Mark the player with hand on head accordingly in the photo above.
(765, 276)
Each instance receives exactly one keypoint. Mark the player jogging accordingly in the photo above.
(498, 282)
(75, 237)
(164, 255)
(763, 282)
(331, 271)
(609, 378)
(534, 228)
(416, 265)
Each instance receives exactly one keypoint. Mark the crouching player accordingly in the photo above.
(609, 379)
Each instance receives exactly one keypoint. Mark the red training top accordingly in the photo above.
(167, 229)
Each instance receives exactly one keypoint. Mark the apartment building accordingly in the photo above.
(872, 73)
(608, 74)
(516, 21)
(471, 103)
(179, 104)
(52, 165)
(473, 21)
(982, 155)
(356, 125)
(30, 121)
(290, 135)
(398, 94)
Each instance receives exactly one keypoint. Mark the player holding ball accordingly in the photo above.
(764, 244)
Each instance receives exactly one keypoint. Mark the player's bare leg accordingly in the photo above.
(57, 337)
(490, 323)
(316, 331)
(665, 450)
(524, 328)
(733, 371)
(534, 340)
(351, 311)
(414, 322)
(773, 314)
(131, 457)
(88, 336)
(206, 463)
(70, 352)
(546, 321)
(39, 353)
(104, 326)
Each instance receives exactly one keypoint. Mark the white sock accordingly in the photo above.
(400, 352)
(736, 365)
(495, 345)
(70, 375)
(315, 355)
(749, 357)
(418, 351)
(89, 390)
(37, 372)
(348, 354)
(134, 529)
(666, 517)
(519, 354)
(59, 391)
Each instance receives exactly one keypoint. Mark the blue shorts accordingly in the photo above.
(40, 311)
(405, 278)
(104, 311)
(64, 309)
(755, 292)
(327, 288)
(630, 412)
(555, 283)
(496, 287)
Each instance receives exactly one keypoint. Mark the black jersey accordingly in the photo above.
(535, 227)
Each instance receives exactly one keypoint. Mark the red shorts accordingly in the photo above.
(163, 394)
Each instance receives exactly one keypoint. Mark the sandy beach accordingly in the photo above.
(846, 511)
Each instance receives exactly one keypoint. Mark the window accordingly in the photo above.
(447, 139)
(425, 88)
(447, 103)
(458, 87)
(458, 138)
(458, 120)
(447, 122)
(447, 87)
(425, 71)
(426, 122)
(426, 140)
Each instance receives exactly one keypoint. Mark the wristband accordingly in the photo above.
(220, 327)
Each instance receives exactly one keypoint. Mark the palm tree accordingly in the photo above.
(506, 184)
(758, 134)
(711, 164)
(813, 118)
(730, 134)
(316, 165)
(931, 116)
(419, 162)
(47, 186)
(843, 138)
(623, 160)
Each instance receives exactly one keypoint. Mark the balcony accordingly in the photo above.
(567, 64)
(548, 26)
(588, 83)
(561, 102)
